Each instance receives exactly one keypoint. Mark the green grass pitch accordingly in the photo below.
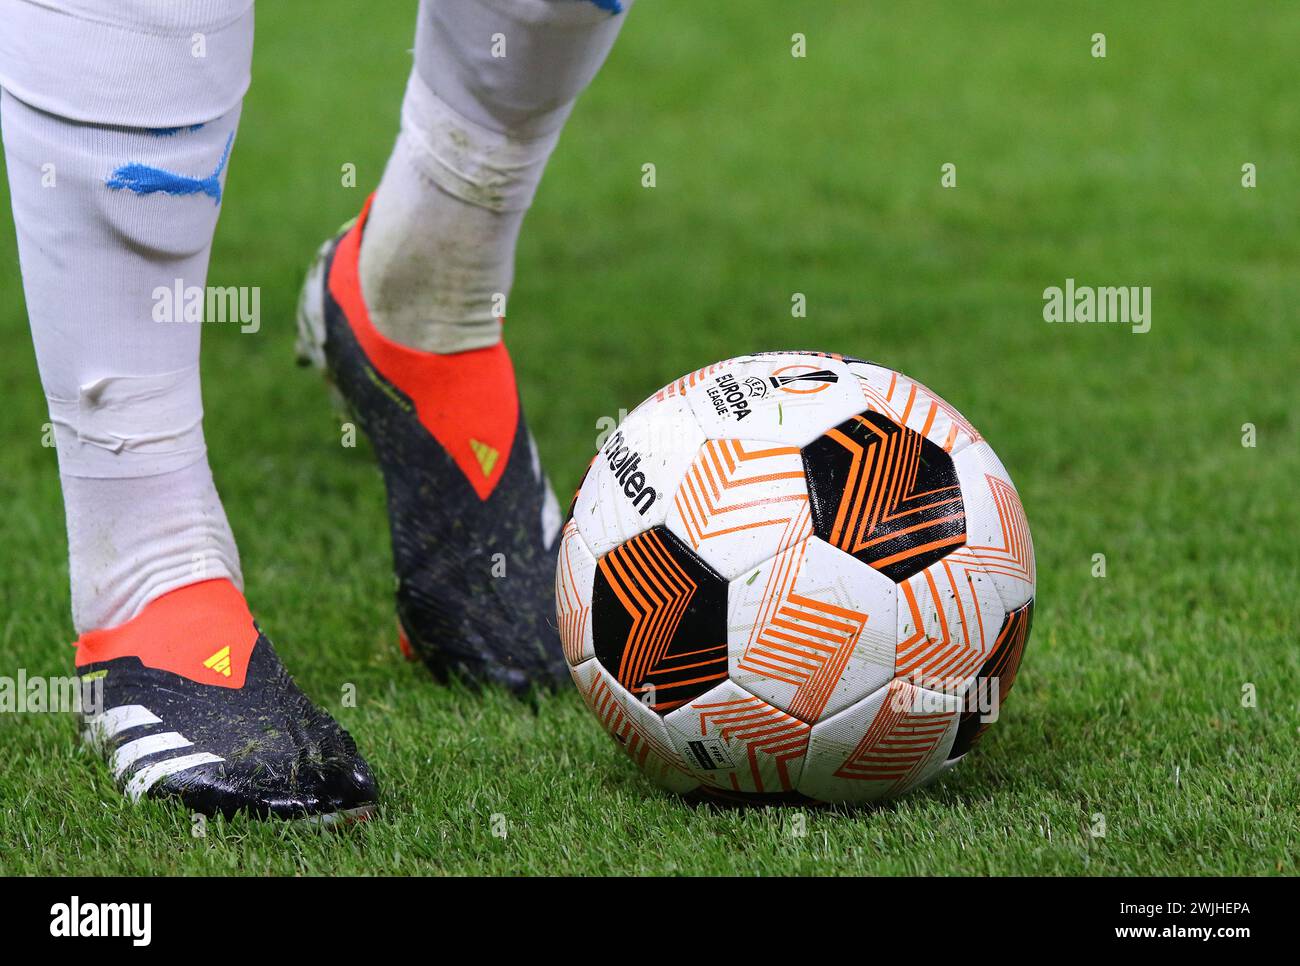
(777, 175)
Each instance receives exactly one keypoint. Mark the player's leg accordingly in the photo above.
(404, 310)
(116, 182)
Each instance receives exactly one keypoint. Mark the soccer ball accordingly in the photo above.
(795, 576)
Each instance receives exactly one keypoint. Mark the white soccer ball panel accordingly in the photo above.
(638, 730)
(677, 388)
(881, 747)
(997, 533)
(948, 620)
(575, 576)
(741, 502)
(812, 630)
(909, 403)
(736, 742)
(788, 398)
(629, 487)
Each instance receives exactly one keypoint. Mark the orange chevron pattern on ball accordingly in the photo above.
(899, 741)
(762, 731)
(734, 486)
(1001, 667)
(1010, 647)
(572, 600)
(1013, 556)
(886, 496)
(655, 591)
(801, 640)
(653, 660)
(911, 404)
(678, 387)
(957, 650)
(650, 753)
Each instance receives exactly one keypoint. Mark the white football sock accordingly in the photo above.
(494, 82)
(108, 219)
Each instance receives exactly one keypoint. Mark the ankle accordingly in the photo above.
(202, 631)
(133, 540)
(437, 256)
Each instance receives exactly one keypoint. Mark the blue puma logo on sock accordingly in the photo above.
(144, 179)
(613, 6)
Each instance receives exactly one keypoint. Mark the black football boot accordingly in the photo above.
(473, 519)
(189, 701)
